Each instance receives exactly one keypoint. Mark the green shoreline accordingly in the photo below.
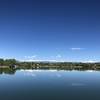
(14, 64)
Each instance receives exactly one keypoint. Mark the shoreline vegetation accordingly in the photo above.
(14, 64)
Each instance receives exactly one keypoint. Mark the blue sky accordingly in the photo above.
(59, 30)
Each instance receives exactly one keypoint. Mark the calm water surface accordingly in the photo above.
(50, 85)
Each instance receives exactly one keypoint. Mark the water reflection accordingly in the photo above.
(27, 84)
(30, 71)
(7, 71)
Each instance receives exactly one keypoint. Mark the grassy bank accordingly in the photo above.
(4, 66)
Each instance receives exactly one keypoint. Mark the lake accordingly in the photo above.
(50, 85)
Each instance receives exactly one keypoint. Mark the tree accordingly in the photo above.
(1, 62)
(9, 62)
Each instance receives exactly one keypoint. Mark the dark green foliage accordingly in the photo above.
(9, 62)
(50, 65)
(7, 71)
(1, 62)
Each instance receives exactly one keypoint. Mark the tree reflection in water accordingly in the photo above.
(7, 71)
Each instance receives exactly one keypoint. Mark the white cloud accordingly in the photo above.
(58, 56)
(30, 57)
(43, 60)
(34, 56)
(76, 48)
(90, 61)
(39, 60)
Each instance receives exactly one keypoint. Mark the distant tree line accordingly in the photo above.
(7, 62)
(50, 65)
